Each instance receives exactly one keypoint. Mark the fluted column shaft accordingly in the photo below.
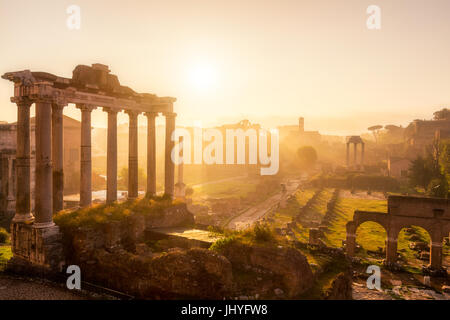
(57, 156)
(86, 162)
(44, 175)
(169, 173)
(23, 161)
(111, 164)
(151, 154)
(133, 155)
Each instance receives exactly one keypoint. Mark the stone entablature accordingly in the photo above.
(432, 214)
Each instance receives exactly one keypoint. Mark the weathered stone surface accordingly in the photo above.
(287, 263)
(175, 216)
(196, 273)
(40, 247)
(341, 288)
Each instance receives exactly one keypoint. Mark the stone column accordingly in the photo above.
(133, 155)
(436, 255)
(355, 149)
(348, 155)
(363, 145)
(180, 187)
(180, 165)
(350, 243)
(111, 162)
(391, 250)
(85, 163)
(23, 162)
(436, 249)
(169, 168)
(151, 154)
(44, 174)
(58, 156)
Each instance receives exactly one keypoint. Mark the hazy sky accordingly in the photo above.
(263, 60)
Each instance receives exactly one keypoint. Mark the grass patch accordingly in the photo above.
(370, 235)
(4, 236)
(5, 255)
(98, 215)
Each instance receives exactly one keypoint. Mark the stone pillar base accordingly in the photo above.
(24, 218)
(41, 247)
(180, 190)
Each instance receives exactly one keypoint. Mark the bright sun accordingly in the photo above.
(203, 76)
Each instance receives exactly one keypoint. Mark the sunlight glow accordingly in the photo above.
(203, 76)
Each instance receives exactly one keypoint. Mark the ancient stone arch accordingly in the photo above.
(432, 214)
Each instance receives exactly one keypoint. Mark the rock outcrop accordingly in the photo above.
(341, 288)
(193, 274)
(288, 264)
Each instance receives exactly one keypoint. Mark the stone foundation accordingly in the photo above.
(40, 248)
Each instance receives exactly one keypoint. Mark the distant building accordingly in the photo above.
(398, 167)
(298, 133)
(421, 133)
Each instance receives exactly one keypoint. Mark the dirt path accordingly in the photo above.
(17, 288)
(250, 216)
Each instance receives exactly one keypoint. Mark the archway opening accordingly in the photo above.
(371, 241)
(413, 246)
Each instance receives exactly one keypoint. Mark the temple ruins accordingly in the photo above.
(89, 88)
(355, 140)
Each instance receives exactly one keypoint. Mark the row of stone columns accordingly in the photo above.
(355, 149)
(49, 158)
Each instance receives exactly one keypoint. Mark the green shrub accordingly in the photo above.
(4, 235)
(263, 233)
(222, 243)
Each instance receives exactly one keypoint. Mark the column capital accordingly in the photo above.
(169, 114)
(111, 110)
(22, 101)
(58, 106)
(151, 114)
(86, 107)
(133, 113)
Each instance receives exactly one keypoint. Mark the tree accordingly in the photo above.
(443, 114)
(375, 130)
(421, 172)
(432, 172)
(307, 157)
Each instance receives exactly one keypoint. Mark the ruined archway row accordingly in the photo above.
(431, 214)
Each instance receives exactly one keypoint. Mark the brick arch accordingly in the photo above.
(428, 230)
(360, 217)
(431, 214)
